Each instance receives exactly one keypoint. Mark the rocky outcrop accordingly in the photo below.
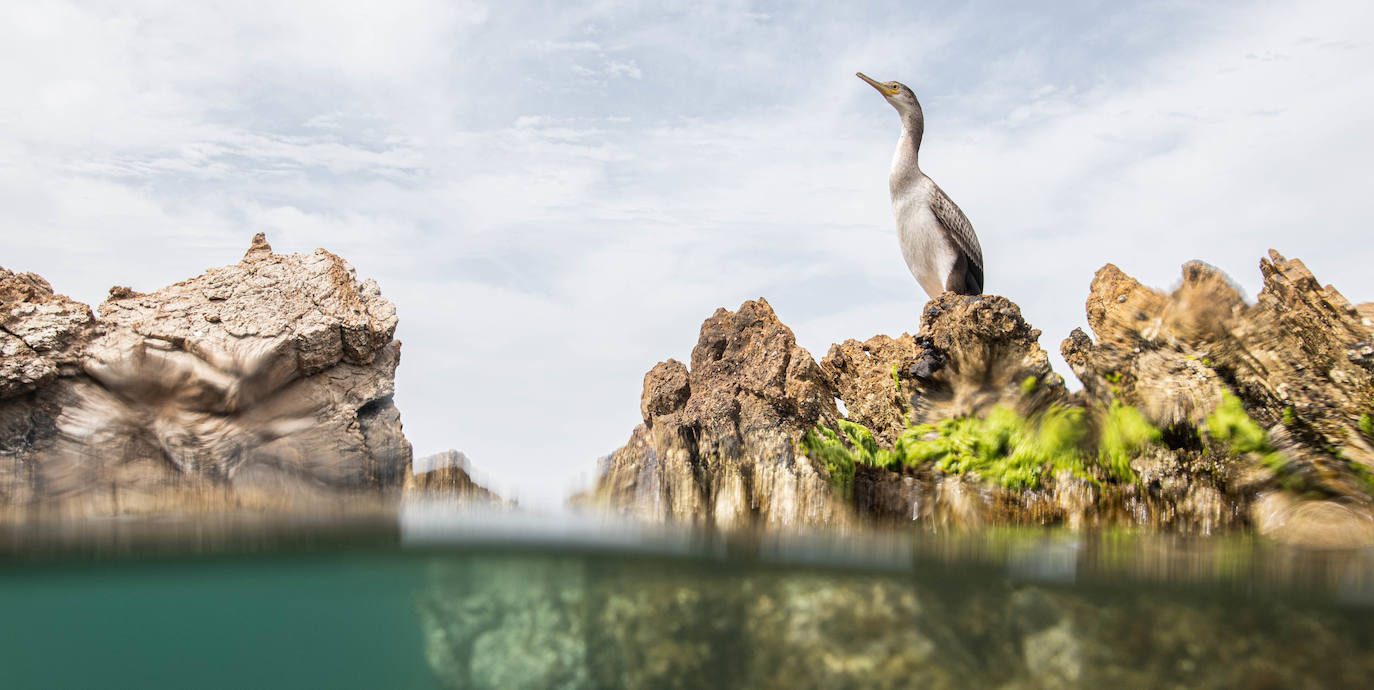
(971, 354)
(1300, 360)
(269, 378)
(720, 440)
(1198, 412)
(446, 478)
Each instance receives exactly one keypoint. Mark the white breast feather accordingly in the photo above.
(928, 254)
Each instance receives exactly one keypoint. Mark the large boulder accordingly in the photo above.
(269, 380)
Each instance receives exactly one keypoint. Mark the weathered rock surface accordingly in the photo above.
(1299, 359)
(1301, 362)
(269, 378)
(720, 441)
(971, 354)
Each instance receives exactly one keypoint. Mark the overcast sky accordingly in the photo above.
(555, 196)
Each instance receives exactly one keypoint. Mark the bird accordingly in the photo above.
(936, 238)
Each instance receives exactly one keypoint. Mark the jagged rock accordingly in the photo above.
(273, 376)
(720, 440)
(976, 353)
(42, 335)
(447, 479)
(1295, 359)
(868, 376)
(1150, 349)
(971, 354)
(1301, 361)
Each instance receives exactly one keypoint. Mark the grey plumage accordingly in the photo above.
(960, 231)
(936, 238)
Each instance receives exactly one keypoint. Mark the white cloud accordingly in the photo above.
(555, 198)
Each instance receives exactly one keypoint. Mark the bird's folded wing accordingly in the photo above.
(959, 230)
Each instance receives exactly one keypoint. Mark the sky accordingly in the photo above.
(555, 195)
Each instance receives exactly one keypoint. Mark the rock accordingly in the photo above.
(981, 354)
(1295, 359)
(446, 479)
(1194, 407)
(1047, 617)
(271, 377)
(868, 376)
(42, 335)
(720, 440)
(1151, 349)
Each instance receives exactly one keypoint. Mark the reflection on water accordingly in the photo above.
(434, 598)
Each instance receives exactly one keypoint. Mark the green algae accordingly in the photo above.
(1029, 385)
(1366, 425)
(1124, 433)
(1003, 448)
(1234, 428)
(895, 380)
(841, 450)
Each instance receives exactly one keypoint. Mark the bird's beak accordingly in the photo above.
(885, 91)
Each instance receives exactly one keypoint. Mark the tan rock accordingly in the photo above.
(720, 440)
(272, 375)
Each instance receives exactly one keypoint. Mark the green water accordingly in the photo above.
(454, 600)
(344, 620)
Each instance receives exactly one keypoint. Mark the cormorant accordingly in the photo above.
(936, 238)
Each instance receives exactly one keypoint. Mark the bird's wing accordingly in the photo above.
(960, 231)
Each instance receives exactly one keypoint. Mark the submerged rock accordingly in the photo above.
(589, 622)
(264, 381)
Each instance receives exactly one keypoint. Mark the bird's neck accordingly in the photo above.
(909, 144)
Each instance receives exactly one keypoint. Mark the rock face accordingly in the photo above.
(719, 443)
(971, 354)
(1297, 368)
(447, 479)
(272, 377)
(1300, 360)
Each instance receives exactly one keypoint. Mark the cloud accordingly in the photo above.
(555, 197)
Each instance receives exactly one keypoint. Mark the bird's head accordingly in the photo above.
(896, 93)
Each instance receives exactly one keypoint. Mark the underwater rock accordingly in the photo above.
(269, 379)
(619, 622)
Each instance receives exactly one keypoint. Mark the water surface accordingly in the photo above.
(435, 598)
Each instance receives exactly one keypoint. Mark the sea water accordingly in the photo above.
(438, 598)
